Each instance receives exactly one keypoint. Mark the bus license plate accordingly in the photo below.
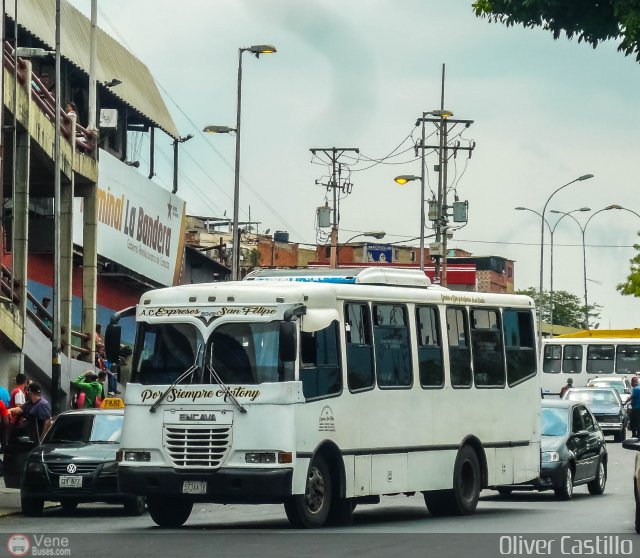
(70, 481)
(194, 487)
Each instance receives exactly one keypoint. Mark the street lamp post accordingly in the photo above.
(374, 234)
(579, 179)
(553, 230)
(403, 179)
(583, 231)
(235, 260)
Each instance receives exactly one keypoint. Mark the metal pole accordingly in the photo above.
(333, 256)
(55, 346)
(584, 262)
(551, 281)
(443, 215)
(235, 259)
(92, 66)
(422, 181)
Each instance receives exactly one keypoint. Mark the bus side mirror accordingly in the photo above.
(112, 342)
(287, 349)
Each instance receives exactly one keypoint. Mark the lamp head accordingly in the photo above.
(520, 208)
(613, 206)
(184, 138)
(584, 209)
(585, 177)
(379, 235)
(112, 83)
(404, 178)
(218, 129)
(442, 113)
(261, 49)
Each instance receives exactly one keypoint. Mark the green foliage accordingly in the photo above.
(632, 285)
(568, 309)
(592, 21)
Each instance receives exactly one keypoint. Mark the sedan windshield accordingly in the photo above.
(554, 421)
(593, 396)
(618, 385)
(83, 428)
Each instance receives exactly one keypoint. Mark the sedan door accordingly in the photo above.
(579, 445)
(594, 442)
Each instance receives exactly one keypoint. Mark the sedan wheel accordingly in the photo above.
(565, 490)
(596, 486)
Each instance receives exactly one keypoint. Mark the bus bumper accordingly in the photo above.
(230, 485)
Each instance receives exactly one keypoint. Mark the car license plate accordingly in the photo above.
(74, 481)
(194, 487)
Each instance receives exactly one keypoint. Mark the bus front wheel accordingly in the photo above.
(311, 509)
(169, 512)
(462, 499)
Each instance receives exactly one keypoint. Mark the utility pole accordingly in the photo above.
(335, 183)
(442, 120)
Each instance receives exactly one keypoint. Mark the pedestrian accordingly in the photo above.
(5, 396)
(101, 357)
(566, 387)
(634, 402)
(4, 426)
(19, 393)
(88, 385)
(36, 412)
(72, 110)
(42, 312)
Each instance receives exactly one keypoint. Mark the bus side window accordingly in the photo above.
(488, 351)
(360, 369)
(391, 338)
(429, 347)
(552, 359)
(572, 359)
(459, 349)
(600, 359)
(520, 345)
(319, 362)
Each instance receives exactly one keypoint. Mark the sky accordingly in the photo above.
(358, 74)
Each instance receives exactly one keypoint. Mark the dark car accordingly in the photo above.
(76, 462)
(573, 451)
(607, 407)
(634, 444)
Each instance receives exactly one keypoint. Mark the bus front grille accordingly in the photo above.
(197, 446)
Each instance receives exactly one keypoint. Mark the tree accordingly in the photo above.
(632, 285)
(568, 309)
(592, 21)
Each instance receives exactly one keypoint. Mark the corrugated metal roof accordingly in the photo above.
(138, 89)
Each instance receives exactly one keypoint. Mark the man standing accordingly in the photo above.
(566, 387)
(89, 384)
(37, 410)
(634, 401)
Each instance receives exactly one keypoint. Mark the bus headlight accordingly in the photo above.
(269, 457)
(132, 455)
(550, 456)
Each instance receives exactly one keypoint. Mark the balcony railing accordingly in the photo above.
(85, 140)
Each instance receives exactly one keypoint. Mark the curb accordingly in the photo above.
(18, 511)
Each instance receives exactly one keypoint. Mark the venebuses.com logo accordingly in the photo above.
(18, 545)
(38, 545)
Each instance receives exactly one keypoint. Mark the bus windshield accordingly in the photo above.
(247, 353)
(240, 353)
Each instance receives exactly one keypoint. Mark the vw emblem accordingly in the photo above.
(71, 468)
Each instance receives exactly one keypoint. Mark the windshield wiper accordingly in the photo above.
(225, 389)
(182, 376)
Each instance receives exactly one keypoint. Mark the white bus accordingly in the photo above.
(328, 388)
(587, 355)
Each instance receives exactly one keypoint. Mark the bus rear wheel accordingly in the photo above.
(311, 509)
(462, 499)
(169, 512)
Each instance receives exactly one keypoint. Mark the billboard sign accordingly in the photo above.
(140, 224)
(381, 253)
